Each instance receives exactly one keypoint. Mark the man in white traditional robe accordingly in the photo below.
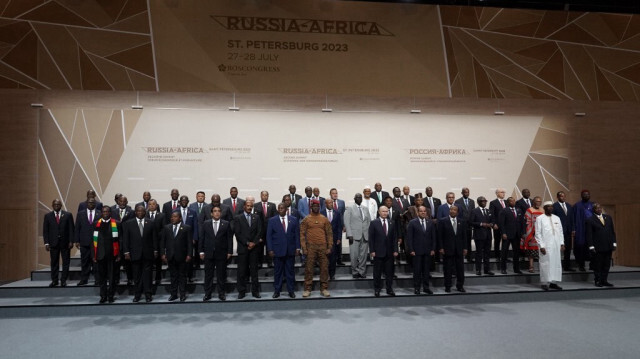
(550, 240)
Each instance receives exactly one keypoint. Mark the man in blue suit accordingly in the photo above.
(443, 210)
(564, 211)
(383, 248)
(304, 204)
(339, 206)
(283, 244)
(335, 218)
(190, 218)
(421, 246)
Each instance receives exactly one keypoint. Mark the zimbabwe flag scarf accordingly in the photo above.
(114, 234)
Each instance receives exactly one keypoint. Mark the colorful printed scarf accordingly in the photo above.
(114, 234)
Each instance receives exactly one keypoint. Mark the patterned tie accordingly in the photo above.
(601, 219)
(140, 227)
(199, 208)
(455, 225)
(234, 205)
(284, 224)
(90, 217)
(564, 208)
(399, 202)
(515, 215)
(384, 226)
(174, 205)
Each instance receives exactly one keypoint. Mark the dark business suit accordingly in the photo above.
(453, 243)
(122, 218)
(107, 257)
(198, 209)
(495, 207)
(225, 213)
(383, 195)
(167, 208)
(239, 205)
(523, 205)
(158, 224)
(247, 259)
(176, 249)
(215, 245)
(144, 204)
(84, 237)
(294, 199)
(191, 220)
(339, 206)
(58, 236)
(602, 237)
(421, 239)
(284, 246)
(383, 245)
(82, 206)
(568, 226)
(264, 217)
(294, 212)
(482, 237)
(336, 227)
(410, 199)
(436, 205)
(443, 211)
(465, 213)
(141, 249)
(514, 227)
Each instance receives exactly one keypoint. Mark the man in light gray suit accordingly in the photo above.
(356, 222)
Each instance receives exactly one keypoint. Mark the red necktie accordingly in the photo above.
(284, 225)
(384, 226)
(90, 217)
(399, 202)
(264, 209)
(174, 205)
(514, 213)
(234, 205)
(58, 217)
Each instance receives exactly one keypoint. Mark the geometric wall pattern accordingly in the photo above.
(76, 45)
(79, 150)
(514, 53)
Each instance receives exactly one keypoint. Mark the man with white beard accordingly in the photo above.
(550, 240)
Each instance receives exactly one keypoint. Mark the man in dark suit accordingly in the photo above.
(525, 202)
(293, 196)
(84, 239)
(247, 228)
(339, 206)
(225, 211)
(335, 218)
(57, 231)
(172, 205)
(291, 211)
(482, 222)
(383, 248)
(122, 213)
(304, 204)
(444, 210)
(495, 207)
(432, 203)
(421, 245)
(215, 248)
(106, 253)
(190, 218)
(452, 239)
(564, 211)
(199, 205)
(465, 206)
(283, 244)
(265, 210)
(399, 202)
(146, 197)
(176, 246)
(157, 218)
(316, 195)
(140, 247)
(83, 205)
(379, 195)
(601, 239)
(236, 204)
(395, 217)
(512, 227)
(406, 194)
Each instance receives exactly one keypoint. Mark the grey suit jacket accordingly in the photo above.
(357, 227)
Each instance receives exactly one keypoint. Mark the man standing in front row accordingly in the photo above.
(550, 238)
(316, 240)
(383, 247)
(421, 246)
(601, 239)
(247, 228)
(452, 241)
(283, 244)
(215, 248)
(57, 232)
(139, 244)
(176, 247)
(106, 247)
(356, 222)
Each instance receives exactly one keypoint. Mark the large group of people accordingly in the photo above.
(379, 227)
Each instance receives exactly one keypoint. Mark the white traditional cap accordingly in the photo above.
(547, 203)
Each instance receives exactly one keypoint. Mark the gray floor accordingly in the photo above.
(605, 328)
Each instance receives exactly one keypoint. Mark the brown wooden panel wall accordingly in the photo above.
(628, 234)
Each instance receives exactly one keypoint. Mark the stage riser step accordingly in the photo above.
(340, 283)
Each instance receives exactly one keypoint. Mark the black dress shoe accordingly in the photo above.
(53, 284)
(447, 289)
(183, 298)
(112, 299)
(82, 282)
(517, 271)
(598, 284)
(292, 295)
(461, 289)
(416, 291)
(275, 295)
(581, 269)
(340, 263)
(103, 299)
(332, 278)
(555, 286)
(362, 276)
(136, 299)
(544, 287)
(503, 271)
(256, 295)
(222, 297)
(377, 293)
(191, 280)
(395, 276)
(489, 273)
(391, 293)
(206, 297)
(63, 283)
(478, 272)
(428, 291)
(129, 282)
(241, 295)
(173, 297)
(148, 298)
(607, 284)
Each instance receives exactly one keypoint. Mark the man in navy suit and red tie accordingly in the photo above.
(339, 206)
(421, 246)
(176, 247)
(84, 239)
(283, 244)
(139, 245)
(190, 218)
(512, 228)
(383, 248)
(215, 247)
(452, 241)
(170, 206)
(564, 211)
(57, 231)
(335, 218)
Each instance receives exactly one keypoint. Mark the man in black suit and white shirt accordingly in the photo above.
(265, 210)
(190, 219)
(379, 195)
(525, 202)
(57, 232)
(564, 211)
(172, 205)
(432, 203)
(83, 205)
(236, 204)
(407, 196)
(247, 229)
(225, 211)
(140, 247)
(122, 213)
(107, 237)
(176, 246)
(512, 227)
(482, 222)
(84, 239)
(383, 248)
(157, 218)
(495, 207)
(146, 197)
(452, 241)
(215, 248)
(466, 206)
(294, 196)
(421, 245)
(601, 239)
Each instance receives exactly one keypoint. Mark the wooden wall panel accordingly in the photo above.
(628, 234)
